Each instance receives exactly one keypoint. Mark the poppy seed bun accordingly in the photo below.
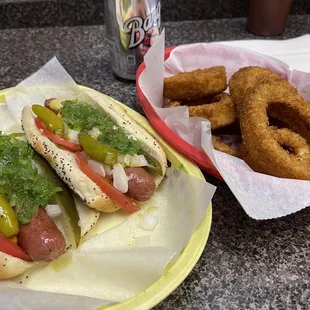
(66, 166)
(64, 161)
(131, 127)
(11, 266)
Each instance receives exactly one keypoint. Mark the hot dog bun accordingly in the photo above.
(66, 167)
(65, 164)
(148, 143)
(11, 266)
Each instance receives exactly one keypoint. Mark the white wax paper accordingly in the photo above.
(118, 259)
(295, 52)
(261, 196)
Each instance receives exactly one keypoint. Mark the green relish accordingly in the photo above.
(20, 182)
(81, 116)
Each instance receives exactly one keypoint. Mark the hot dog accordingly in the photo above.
(141, 185)
(102, 154)
(29, 191)
(41, 239)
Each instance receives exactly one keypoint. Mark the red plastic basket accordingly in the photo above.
(201, 158)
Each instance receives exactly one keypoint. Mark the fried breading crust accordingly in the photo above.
(245, 79)
(173, 104)
(219, 110)
(280, 153)
(220, 113)
(196, 84)
(223, 147)
(289, 118)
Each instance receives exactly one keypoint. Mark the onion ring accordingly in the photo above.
(195, 84)
(219, 145)
(219, 110)
(287, 139)
(277, 155)
(220, 113)
(290, 119)
(173, 104)
(245, 79)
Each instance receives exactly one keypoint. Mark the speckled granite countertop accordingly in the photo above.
(246, 264)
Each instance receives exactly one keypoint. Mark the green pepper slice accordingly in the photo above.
(63, 198)
(8, 219)
(53, 123)
(98, 151)
(153, 163)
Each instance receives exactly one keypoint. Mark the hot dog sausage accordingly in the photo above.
(41, 239)
(141, 185)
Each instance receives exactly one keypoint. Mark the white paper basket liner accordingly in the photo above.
(261, 196)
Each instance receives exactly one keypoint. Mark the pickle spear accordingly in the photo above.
(98, 151)
(53, 123)
(8, 219)
(63, 198)
(153, 163)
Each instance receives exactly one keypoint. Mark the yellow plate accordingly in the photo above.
(174, 274)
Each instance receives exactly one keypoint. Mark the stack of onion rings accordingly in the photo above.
(274, 119)
(202, 92)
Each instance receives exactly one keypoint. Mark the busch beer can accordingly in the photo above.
(132, 27)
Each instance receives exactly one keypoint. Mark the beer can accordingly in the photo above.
(132, 27)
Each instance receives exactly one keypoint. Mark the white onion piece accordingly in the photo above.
(127, 159)
(120, 181)
(97, 167)
(148, 222)
(95, 133)
(138, 161)
(120, 158)
(73, 135)
(108, 169)
(133, 137)
(53, 210)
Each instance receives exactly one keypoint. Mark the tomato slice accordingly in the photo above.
(13, 249)
(70, 146)
(122, 200)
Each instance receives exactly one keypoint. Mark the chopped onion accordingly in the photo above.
(120, 181)
(97, 167)
(138, 161)
(120, 158)
(53, 210)
(127, 159)
(108, 170)
(73, 135)
(148, 222)
(133, 137)
(95, 133)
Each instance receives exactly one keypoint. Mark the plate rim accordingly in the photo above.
(172, 278)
